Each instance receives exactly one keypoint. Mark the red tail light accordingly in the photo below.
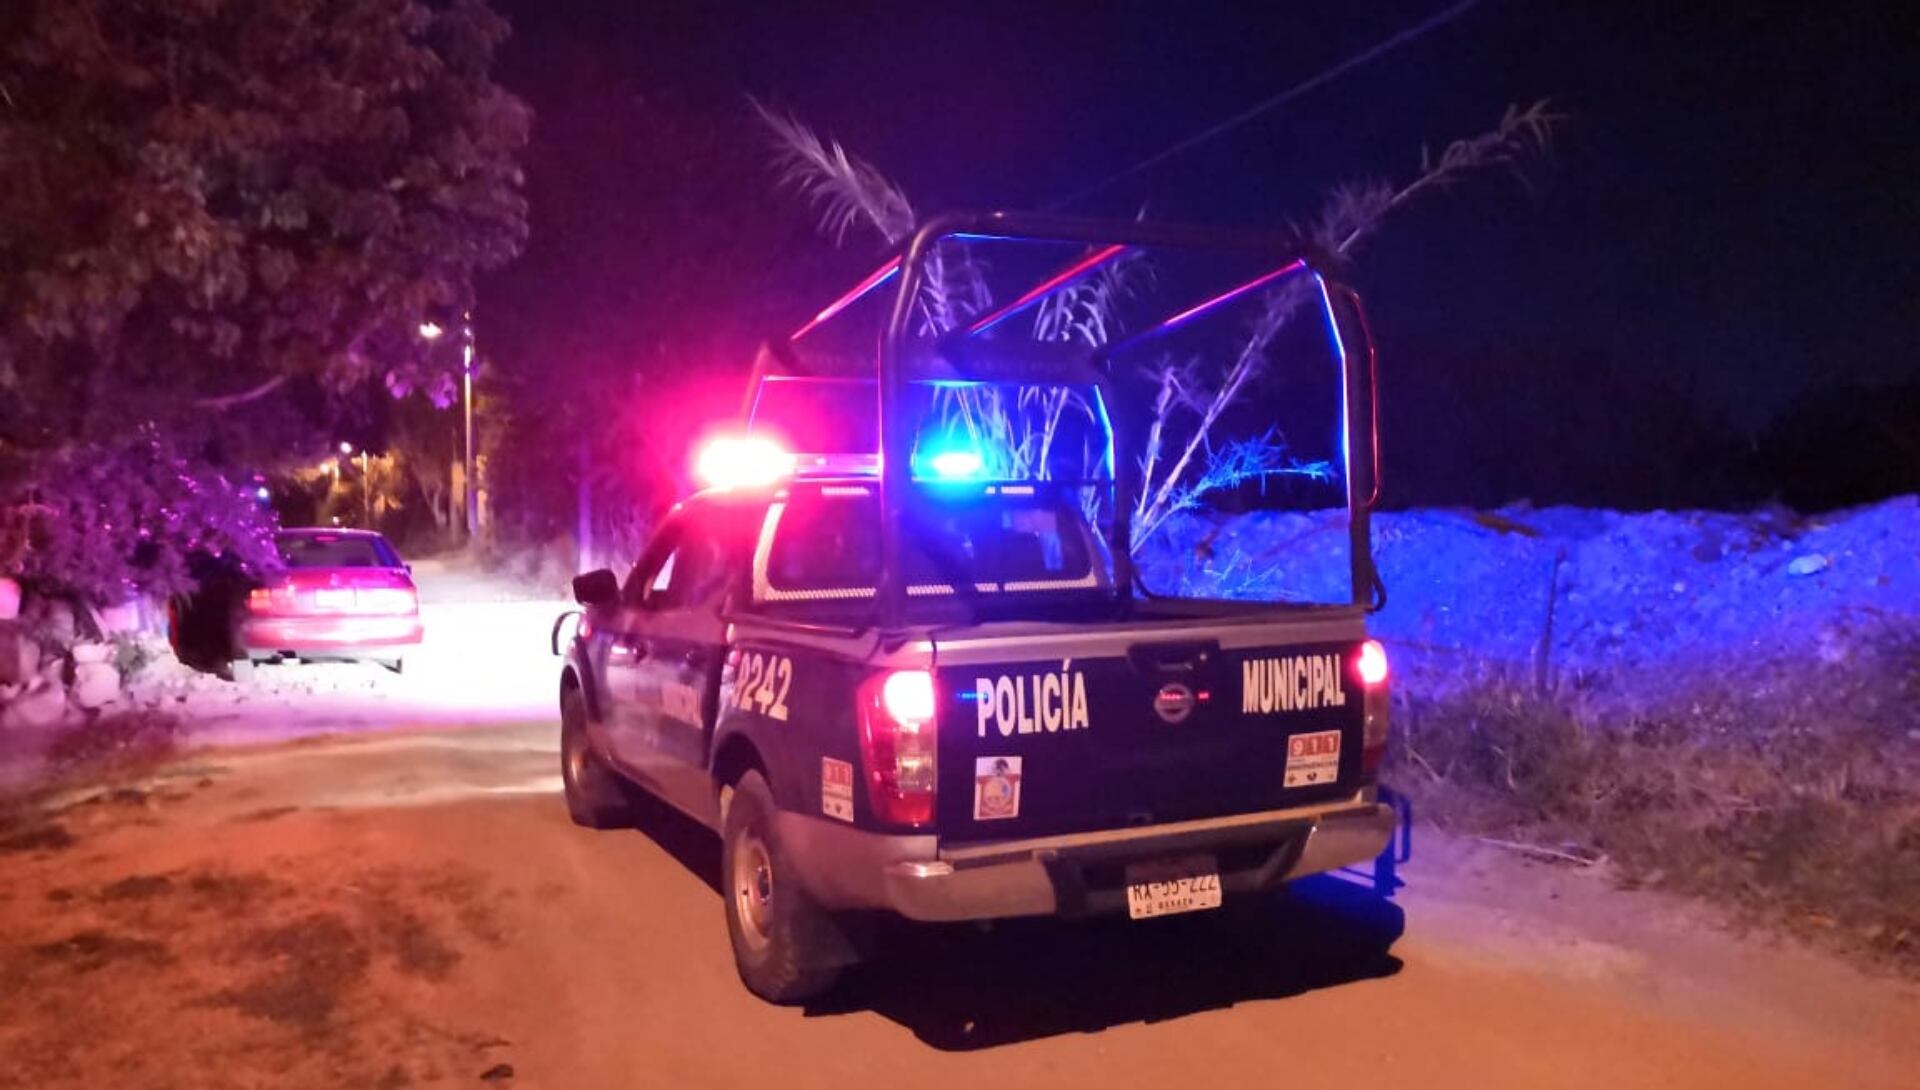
(898, 738)
(1371, 667)
(1372, 663)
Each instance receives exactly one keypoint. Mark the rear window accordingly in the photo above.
(336, 551)
(827, 545)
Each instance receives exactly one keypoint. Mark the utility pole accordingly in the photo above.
(583, 511)
(466, 397)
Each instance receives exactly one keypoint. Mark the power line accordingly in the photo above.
(1376, 51)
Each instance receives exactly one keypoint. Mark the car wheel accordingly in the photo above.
(176, 627)
(596, 797)
(787, 948)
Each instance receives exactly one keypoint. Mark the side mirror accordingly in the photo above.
(596, 588)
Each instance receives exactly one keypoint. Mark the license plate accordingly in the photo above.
(333, 599)
(1170, 886)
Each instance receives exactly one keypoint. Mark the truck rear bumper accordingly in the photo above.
(1078, 874)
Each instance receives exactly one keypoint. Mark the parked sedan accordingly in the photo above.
(345, 595)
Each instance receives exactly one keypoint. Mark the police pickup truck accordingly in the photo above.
(936, 694)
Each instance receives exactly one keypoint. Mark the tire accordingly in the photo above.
(787, 948)
(176, 627)
(596, 797)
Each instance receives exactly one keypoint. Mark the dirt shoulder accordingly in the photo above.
(414, 910)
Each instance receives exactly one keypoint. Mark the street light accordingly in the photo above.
(433, 331)
(466, 398)
(366, 482)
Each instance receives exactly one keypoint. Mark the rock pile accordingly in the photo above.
(1632, 602)
(47, 671)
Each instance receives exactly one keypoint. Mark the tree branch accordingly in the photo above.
(228, 401)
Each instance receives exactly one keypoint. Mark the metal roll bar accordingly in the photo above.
(1111, 239)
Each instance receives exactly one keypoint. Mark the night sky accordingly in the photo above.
(1729, 214)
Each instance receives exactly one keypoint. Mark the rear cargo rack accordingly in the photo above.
(962, 356)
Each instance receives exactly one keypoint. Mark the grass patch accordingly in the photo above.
(48, 836)
(1789, 790)
(116, 742)
(313, 965)
(87, 951)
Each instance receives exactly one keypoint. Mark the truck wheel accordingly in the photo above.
(787, 948)
(595, 796)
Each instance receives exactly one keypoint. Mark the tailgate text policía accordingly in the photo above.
(1297, 683)
(1032, 703)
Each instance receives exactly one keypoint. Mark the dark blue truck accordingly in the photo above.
(950, 697)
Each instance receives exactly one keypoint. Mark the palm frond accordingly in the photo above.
(846, 189)
(1354, 210)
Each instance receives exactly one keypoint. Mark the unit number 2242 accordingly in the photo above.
(760, 683)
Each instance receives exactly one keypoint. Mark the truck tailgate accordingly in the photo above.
(1117, 727)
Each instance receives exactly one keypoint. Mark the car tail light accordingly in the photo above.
(1371, 667)
(278, 599)
(897, 741)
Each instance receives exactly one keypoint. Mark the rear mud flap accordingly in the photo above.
(1386, 867)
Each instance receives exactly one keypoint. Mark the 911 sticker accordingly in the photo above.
(1313, 759)
(836, 789)
(996, 788)
(761, 683)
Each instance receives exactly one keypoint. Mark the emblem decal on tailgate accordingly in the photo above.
(996, 788)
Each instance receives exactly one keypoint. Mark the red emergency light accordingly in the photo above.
(749, 461)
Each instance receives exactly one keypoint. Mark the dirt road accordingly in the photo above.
(413, 909)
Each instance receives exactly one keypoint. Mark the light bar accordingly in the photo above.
(743, 462)
(956, 464)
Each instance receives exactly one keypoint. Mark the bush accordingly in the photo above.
(1789, 789)
(106, 523)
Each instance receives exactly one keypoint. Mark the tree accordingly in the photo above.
(208, 198)
(212, 205)
(425, 437)
(658, 267)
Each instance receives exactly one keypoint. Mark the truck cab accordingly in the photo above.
(902, 684)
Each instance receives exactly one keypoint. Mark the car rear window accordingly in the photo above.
(336, 551)
(826, 544)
